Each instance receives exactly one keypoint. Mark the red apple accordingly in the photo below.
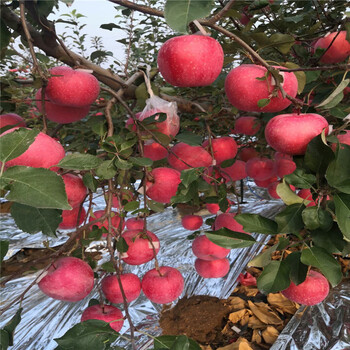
(205, 249)
(224, 148)
(260, 168)
(190, 60)
(246, 279)
(154, 150)
(343, 138)
(74, 88)
(140, 250)
(228, 220)
(247, 153)
(291, 133)
(163, 287)
(272, 189)
(70, 218)
(339, 50)
(184, 156)
(68, 279)
(312, 291)
(44, 152)
(61, 114)
(124, 194)
(192, 222)
(11, 119)
(247, 125)
(244, 90)
(266, 183)
(107, 313)
(305, 193)
(164, 184)
(235, 172)
(280, 155)
(214, 208)
(131, 286)
(212, 175)
(135, 224)
(212, 269)
(75, 189)
(284, 167)
(115, 221)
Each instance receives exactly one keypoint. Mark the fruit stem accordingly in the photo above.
(201, 29)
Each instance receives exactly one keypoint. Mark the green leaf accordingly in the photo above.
(4, 247)
(189, 138)
(4, 340)
(131, 206)
(290, 220)
(230, 239)
(181, 343)
(100, 53)
(11, 326)
(167, 341)
(318, 155)
(288, 196)
(88, 335)
(178, 14)
(188, 176)
(338, 170)
(300, 179)
(155, 206)
(106, 170)
(331, 240)
(312, 76)
(16, 142)
(282, 42)
(336, 96)
(324, 261)
(80, 161)
(298, 270)
(263, 258)
(93, 302)
(274, 278)
(315, 218)
(33, 220)
(301, 76)
(36, 187)
(90, 182)
(109, 26)
(5, 35)
(108, 267)
(122, 164)
(257, 224)
(263, 102)
(141, 161)
(342, 211)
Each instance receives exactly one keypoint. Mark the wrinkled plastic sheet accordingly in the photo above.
(44, 319)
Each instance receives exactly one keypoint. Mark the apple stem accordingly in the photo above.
(200, 27)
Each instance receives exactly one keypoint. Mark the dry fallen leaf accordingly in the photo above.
(206, 347)
(256, 337)
(236, 303)
(240, 344)
(282, 304)
(270, 334)
(255, 323)
(249, 291)
(264, 313)
(241, 315)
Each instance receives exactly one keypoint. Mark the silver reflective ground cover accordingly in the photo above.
(44, 319)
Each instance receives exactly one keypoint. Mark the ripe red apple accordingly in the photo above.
(244, 90)
(343, 138)
(70, 218)
(312, 291)
(131, 286)
(247, 153)
(154, 150)
(74, 88)
(75, 189)
(246, 279)
(272, 189)
(266, 183)
(247, 125)
(291, 133)
(205, 249)
(190, 60)
(68, 279)
(164, 185)
(260, 168)
(223, 148)
(140, 250)
(228, 220)
(165, 287)
(212, 269)
(237, 171)
(44, 152)
(284, 167)
(135, 224)
(61, 114)
(212, 175)
(305, 193)
(115, 221)
(124, 194)
(184, 156)
(11, 119)
(192, 222)
(214, 208)
(339, 50)
(107, 313)
(280, 155)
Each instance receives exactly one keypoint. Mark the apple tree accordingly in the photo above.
(210, 93)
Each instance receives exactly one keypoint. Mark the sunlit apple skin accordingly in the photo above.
(11, 119)
(61, 114)
(164, 185)
(74, 88)
(190, 60)
(135, 224)
(75, 189)
(260, 168)
(205, 249)
(70, 218)
(193, 156)
(237, 171)
(44, 152)
(212, 269)
(164, 288)
(244, 91)
(107, 313)
(291, 133)
(247, 125)
(140, 248)
(192, 222)
(154, 151)
(68, 279)
(228, 220)
(131, 286)
(224, 148)
(312, 291)
(339, 50)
